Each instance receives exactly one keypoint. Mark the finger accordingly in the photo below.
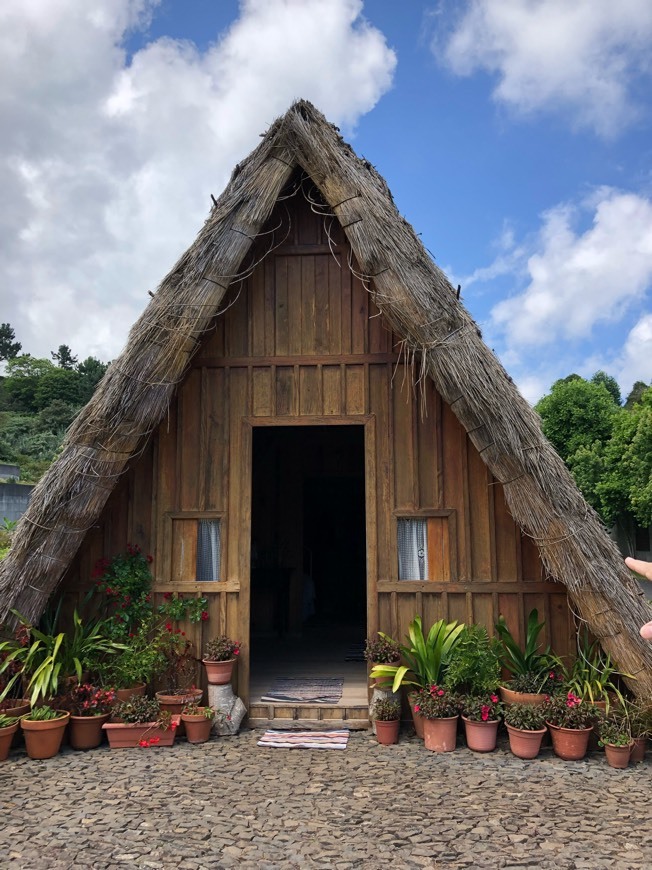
(646, 631)
(641, 567)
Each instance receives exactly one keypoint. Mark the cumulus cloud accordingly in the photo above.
(107, 162)
(580, 57)
(635, 361)
(580, 279)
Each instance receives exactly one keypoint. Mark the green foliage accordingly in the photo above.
(482, 708)
(529, 660)
(23, 374)
(139, 662)
(614, 730)
(221, 649)
(474, 666)
(592, 674)
(527, 717)
(427, 657)
(180, 608)
(198, 710)
(387, 710)
(140, 710)
(570, 711)
(62, 385)
(43, 714)
(384, 650)
(8, 347)
(436, 703)
(575, 414)
(635, 394)
(125, 583)
(64, 358)
(610, 383)
(8, 721)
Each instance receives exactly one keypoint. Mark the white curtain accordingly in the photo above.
(209, 550)
(412, 549)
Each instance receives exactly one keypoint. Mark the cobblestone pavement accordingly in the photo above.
(230, 804)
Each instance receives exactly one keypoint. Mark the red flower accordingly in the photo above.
(143, 742)
(440, 693)
(167, 596)
(204, 615)
(154, 740)
(150, 559)
(494, 699)
(416, 708)
(168, 626)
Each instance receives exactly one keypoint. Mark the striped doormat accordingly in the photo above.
(305, 739)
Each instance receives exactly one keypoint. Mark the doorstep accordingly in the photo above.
(308, 716)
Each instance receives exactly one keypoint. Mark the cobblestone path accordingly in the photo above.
(230, 804)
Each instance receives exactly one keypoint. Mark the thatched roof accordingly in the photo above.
(422, 307)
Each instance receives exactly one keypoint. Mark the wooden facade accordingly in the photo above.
(300, 343)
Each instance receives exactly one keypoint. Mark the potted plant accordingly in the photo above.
(481, 716)
(43, 728)
(382, 651)
(90, 707)
(532, 674)
(526, 727)
(640, 722)
(177, 676)
(44, 660)
(198, 722)
(616, 738)
(474, 665)
(592, 675)
(570, 721)
(440, 711)
(220, 655)
(140, 721)
(8, 727)
(387, 717)
(141, 658)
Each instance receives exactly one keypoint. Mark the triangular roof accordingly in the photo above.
(421, 306)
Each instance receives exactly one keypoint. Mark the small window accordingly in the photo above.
(426, 549)
(412, 549)
(209, 550)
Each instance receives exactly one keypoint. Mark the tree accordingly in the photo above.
(610, 383)
(8, 347)
(91, 371)
(64, 358)
(22, 378)
(635, 394)
(576, 413)
(59, 384)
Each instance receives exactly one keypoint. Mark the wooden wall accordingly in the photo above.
(301, 342)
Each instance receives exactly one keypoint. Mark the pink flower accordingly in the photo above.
(440, 693)
(494, 699)
(416, 708)
(143, 742)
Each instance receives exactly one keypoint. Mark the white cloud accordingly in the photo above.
(580, 279)
(579, 57)
(107, 166)
(635, 361)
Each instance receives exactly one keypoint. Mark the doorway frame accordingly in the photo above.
(368, 422)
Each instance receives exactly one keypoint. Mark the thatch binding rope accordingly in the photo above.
(419, 303)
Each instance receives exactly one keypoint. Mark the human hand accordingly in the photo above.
(645, 569)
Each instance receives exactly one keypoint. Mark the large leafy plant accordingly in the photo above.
(527, 664)
(474, 666)
(427, 657)
(592, 674)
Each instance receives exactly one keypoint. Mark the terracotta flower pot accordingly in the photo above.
(198, 728)
(638, 750)
(43, 738)
(440, 735)
(175, 703)
(617, 756)
(6, 736)
(387, 732)
(85, 732)
(21, 707)
(417, 718)
(125, 694)
(123, 735)
(509, 696)
(219, 673)
(570, 744)
(481, 736)
(525, 744)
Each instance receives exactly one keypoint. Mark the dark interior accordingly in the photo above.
(308, 560)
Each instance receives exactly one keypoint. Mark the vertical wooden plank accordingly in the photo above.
(346, 280)
(359, 317)
(403, 447)
(308, 313)
(237, 498)
(166, 487)
(322, 305)
(281, 318)
(184, 550)
(332, 389)
(453, 438)
(257, 300)
(506, 534)
(427, 448)
(262, 392)
(310, 401)
(285, 391)
(216, 422)
(188, 446)
(383, 497)
(237, 326)
(478, 501)
(439, 552)
(371, 526)
(294, 305)
(335, 302)
(355, 390)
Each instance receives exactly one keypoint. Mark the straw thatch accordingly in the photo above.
(421, 306)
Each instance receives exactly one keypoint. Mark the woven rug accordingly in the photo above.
(305, 739)
(304, 691)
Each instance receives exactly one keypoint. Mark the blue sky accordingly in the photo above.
(514, 135)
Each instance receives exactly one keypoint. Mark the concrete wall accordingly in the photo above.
(14, 498)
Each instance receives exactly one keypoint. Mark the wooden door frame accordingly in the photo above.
(368, 422)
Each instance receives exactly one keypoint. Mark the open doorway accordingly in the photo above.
(308, 554)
